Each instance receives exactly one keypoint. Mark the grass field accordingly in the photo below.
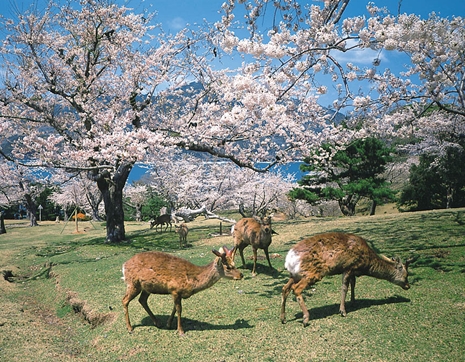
(63, 300)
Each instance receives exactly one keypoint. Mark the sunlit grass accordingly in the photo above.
(235, 320)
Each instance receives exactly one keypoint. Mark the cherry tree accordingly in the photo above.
(218, 186)
(79, 192)
(307, 48)
(136, 197)
(115, 90)
(21, 184)
(76, 83)
(94, 87)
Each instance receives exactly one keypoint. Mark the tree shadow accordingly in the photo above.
(332, 309)
(192, 324)
(260, 269)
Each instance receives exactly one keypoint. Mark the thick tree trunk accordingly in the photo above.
(112, 192)
(373, 207)
(2, 224)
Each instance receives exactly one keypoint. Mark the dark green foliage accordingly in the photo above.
(436, 183)
(153, 205)
(349, 175)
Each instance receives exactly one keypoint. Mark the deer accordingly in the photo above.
(255, 232)
(337, 253)
(154, 272)
(161, 220)
(182, 230)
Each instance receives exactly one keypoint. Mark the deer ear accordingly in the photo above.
(217, 253)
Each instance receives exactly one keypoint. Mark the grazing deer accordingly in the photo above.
(337, 253)
(161, 220)
(155, 272)
(255, 232)
(182, 230)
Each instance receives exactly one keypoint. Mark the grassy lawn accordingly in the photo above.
(64, 301)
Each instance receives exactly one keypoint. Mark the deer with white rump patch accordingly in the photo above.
(255, 232)
(337, 253)
(155, 272)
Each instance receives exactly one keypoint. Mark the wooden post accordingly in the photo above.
(76, 220)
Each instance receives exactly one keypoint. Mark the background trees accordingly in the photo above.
(436, 183)
(354, 172)
(116, 90)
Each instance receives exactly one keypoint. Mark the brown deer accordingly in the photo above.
(182, 230)
(336, 253)
(161, 220)
(155, 272)
(255, 232)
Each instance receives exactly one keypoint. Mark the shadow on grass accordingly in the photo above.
(332, 309)
(149, 239)
(191, 324)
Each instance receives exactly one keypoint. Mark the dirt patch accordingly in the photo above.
(28, 325)
(82, 308)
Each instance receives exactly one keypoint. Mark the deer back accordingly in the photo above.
(336, 253)
(163, 273)
(253, 231)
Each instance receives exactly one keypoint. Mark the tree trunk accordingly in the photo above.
(31, 208)
(2, 224)
(112, 192)
(347, 204)
(94, 204)
(373, 207)
(138, 212)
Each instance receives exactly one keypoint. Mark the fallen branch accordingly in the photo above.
(189, 214)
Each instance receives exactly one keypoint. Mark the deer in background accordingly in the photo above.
(155, 272)
(255, 232)
(161, 220)
(336, 253)
(182, 230)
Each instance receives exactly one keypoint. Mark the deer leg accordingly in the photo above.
(298, 289)
(131, 293)
(346, 279)
(352, 288)
(267, 254)
(178, 307)
(254, 261)
(143, 301)
(284, 295)
(241, 251)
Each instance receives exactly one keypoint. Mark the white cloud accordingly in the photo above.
(177, 23)
(360, 56)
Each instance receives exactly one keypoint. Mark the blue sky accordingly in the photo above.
(174, 14)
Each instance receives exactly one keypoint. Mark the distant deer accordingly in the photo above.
(255, 232)
(182, 230)
(155, 272)
(337, 253)
(161, 220)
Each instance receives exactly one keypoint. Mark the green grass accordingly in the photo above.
(65, 301)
